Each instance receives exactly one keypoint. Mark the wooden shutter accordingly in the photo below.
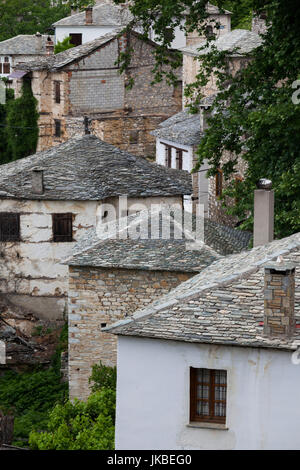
(57, 91)
(62, 227)
(9, 227)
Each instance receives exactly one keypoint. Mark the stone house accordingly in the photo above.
(20, 49)
(134, 263)
(238, 43)
(213, 364)
(107, 17)
(178, 138)
(49, 200)
(85, 81)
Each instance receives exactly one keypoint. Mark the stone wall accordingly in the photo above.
(93, 87)
(99, 297)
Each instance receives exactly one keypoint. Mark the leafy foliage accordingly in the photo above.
(31, 395)
(83, 425)
(103, 377)
(22, 125)
(254, 117)
(30, 16)
(63, 45)
(80, 425)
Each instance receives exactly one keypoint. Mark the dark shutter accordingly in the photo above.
(57, 92)
(62, 227)
(76, 39)
(9, 227)
(57, 127)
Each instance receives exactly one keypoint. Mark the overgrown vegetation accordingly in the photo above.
(31, 395)
(63, 45)
(18, 125)
(255, 118)
(30, 16)
(82, 425)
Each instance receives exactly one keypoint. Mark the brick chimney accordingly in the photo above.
(37, 181)
(279, 313)
(89, 15)
(49, 46)
(263, 213)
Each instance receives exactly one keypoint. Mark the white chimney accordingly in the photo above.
(39, 42)
(263, 213)
(205, 114)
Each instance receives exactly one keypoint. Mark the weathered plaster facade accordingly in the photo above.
(31, 275)
(99, 297)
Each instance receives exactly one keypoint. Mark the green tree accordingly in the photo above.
(30, 16)
(255, 118)
(63, 45)
(22, 124)
(4, 153)
(83, 425)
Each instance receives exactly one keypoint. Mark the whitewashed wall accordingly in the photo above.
(31, 275)
(153, 396)
(89, 33)
(187, 157)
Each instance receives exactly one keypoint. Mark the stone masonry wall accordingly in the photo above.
(93, 87)
(99, 297)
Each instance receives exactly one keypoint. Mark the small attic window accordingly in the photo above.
(9, 227)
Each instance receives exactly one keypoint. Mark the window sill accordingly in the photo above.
(203, 425)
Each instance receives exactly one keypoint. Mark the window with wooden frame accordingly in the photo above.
(219, 183)
(208, 389)
(9, 227)
(168, 154)
(6, 65)
(75, 39)
(57, 91)
(57, 128)
(62, 225)
(179, 154)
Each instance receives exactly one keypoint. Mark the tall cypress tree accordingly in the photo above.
(22, 130)
(4, 153)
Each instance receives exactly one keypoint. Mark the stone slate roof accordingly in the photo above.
(103, 15)
(86, 168)
(57, 61)
(241, 39)
(128, 243)
(24, 44)
(183, 127)
(224, 304)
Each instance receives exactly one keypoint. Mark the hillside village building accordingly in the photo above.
(85, 81)
(20, 49)
(49, 200)
(178, 138)
(104, 18)
(139, 260)
(212, 364)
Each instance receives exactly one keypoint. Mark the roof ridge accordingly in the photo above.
(172, 298)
